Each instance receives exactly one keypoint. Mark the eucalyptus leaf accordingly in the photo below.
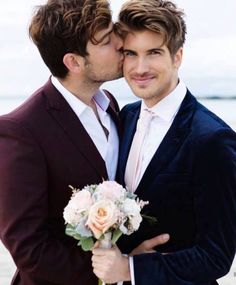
(86, 243)
(116, 235)
(71, 231)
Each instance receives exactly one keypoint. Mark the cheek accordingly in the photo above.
(127, 66)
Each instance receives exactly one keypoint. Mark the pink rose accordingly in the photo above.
(110, 190)
(102, 216)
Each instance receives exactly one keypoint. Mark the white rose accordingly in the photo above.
(123, 229)
(81, 201)
(135, 221)
(71, 216)
(131, 208)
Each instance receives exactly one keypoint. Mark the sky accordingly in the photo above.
(209, 63)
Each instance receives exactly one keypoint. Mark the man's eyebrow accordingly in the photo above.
(149, 50)
(129, 50)
(156, 49)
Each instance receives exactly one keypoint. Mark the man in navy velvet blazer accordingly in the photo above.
(187, 162)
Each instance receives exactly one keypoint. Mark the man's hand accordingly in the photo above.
(110, 265)
(148, 245)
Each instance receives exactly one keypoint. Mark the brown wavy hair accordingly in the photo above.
(64, 26)
(159, 16)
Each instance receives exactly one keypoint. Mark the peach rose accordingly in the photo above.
(102, 216)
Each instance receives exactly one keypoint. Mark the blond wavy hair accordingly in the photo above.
(159, 16)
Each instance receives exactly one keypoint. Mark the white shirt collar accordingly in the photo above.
(167, 108)
(76, 104)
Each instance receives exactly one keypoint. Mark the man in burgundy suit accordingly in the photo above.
(64, 134)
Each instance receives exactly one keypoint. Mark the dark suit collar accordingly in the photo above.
(60, 110)
(128, 131)
(168, 147)
(113, 111)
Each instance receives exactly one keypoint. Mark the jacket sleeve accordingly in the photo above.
(24, 212)
(214, 202)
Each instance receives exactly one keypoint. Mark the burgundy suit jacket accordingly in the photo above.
(43, 149)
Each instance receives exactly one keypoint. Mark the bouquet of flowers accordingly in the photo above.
(102, 212)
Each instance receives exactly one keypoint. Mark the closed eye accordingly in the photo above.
(107, 41)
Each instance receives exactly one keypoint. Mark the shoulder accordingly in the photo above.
(28, 109)
(130, 108)
(211, 135)
(26, 118)
(207, 122)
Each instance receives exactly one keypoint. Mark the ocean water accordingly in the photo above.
(226, 109)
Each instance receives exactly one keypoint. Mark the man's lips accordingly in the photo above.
(142, 80)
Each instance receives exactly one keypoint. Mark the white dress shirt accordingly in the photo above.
(107, 146)
(165, 112)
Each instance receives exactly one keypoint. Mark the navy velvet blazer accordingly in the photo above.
(191, 186)
(43, 149)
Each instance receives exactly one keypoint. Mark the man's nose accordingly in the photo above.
(141, 66)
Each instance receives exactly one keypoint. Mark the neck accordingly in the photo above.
(156, 99)
(82, 90)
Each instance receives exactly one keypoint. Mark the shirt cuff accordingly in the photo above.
(131, 268)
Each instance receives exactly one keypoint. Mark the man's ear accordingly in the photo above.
(73, 62)
(178, 57)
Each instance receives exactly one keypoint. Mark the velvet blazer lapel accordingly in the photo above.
(128, 132)
(169, 146)
(67, 119)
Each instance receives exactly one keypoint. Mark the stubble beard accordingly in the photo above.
(99, 77)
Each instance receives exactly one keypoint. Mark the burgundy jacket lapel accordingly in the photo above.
(67, 119)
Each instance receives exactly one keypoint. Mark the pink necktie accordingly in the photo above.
(134, 163)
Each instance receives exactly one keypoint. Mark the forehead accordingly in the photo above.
(143, 39)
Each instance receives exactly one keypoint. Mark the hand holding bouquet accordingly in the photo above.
(102, 212)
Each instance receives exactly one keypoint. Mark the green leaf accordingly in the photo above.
(70, 231)
(116, 235)
(86, 243)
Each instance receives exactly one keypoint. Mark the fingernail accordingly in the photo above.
(166, 237)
